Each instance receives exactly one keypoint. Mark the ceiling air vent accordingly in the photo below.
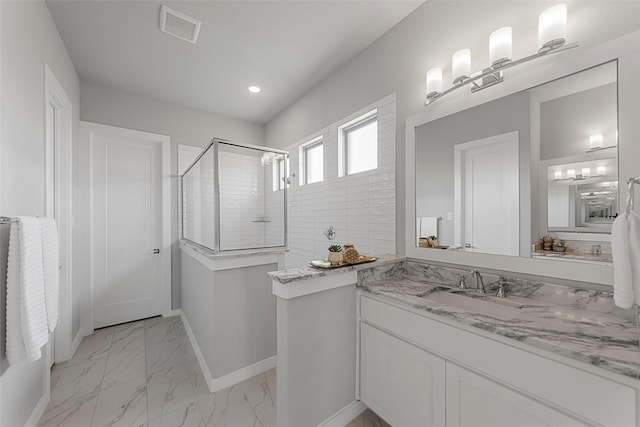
(178, 24)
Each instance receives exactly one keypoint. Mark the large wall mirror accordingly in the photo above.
(497, 177)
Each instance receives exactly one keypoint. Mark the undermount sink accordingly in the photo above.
(478, 304)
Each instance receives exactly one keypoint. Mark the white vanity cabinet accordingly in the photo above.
(400, 382)
(418, 369)
(475, 401)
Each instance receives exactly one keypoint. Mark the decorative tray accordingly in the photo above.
(323, 263)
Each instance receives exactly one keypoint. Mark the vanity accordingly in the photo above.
(400, 336)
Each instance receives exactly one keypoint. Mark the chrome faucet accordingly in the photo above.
(479, 282)
(501, 292)
(462, 284)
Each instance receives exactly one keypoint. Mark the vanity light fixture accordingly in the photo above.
(601, 170)
(596, 143)
(557, 175)
(552, 28)
(586, 172)
(571, 173)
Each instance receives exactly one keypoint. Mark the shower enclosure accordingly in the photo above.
(234, 197)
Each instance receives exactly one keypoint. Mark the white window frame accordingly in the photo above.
(318, 141)
(343, 149)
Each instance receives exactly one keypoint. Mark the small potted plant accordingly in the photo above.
(335, 254)
(433, 241)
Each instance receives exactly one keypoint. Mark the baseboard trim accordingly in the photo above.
(196, 348)
(236, 377)
(172, 313)
(345, 415)
(76, 343)
(38, 411)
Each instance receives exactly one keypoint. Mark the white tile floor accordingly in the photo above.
(146, 374)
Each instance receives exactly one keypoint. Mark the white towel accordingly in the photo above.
(50, 261)
(634, 253)
(623, 295)
(27, 328)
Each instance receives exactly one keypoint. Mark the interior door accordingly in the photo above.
(488, 207)
(126, 226)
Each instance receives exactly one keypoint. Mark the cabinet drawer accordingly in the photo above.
(582, 394)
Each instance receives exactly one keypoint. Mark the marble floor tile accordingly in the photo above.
(56, 372)
(124, 366)
(157, 331)
(187, 348)
(228, 408)
(197, 379)
(260, 392)
(169, 390)
(128, 337)
(77, 413)
(122, 405)
(188, 416)
(80, 378)
(163, 355)
(94, 346)
(371, 419)
(358, 422)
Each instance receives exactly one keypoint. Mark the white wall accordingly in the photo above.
(398, 60)
(188, 126)
(29, 39)
(360, 207)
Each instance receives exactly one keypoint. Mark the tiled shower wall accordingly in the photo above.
(361, 207)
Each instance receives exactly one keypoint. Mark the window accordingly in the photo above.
(312, 161)
(280, 168)
(358, 144)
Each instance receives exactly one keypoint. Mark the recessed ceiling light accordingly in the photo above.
(254, 89)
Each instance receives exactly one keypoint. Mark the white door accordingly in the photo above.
(126, 226)
(487, 197)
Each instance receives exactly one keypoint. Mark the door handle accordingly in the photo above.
(155, 251)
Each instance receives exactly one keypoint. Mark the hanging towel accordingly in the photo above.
(27, 328)
(623, 294)
(50, 261)
(634, 253)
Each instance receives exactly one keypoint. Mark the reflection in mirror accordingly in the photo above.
(502, 175)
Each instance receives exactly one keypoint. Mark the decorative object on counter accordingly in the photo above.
(423, 242)
(547, 243)
(433, 241)
(558, 245)
(335, 256)
(350, 254)
(362, 259)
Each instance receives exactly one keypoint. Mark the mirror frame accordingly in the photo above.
(626, 50)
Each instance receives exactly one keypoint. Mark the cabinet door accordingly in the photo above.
(475, 401)
(401, 383)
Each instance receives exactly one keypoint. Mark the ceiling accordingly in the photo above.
(285, 47)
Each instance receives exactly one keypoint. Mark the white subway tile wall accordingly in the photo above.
(361, 207)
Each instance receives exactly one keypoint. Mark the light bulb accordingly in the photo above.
(500, 47)
(571, 173)
(552, 27)
(461, 65)
(586, 172)
(557, 175)
(596, 140)
(601, 170)
(434, 82)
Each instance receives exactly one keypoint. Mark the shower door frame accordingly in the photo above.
(215, 142)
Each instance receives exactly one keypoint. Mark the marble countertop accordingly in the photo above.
(296, 274)
(576, 256)
(580, 324)
(211, 254)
